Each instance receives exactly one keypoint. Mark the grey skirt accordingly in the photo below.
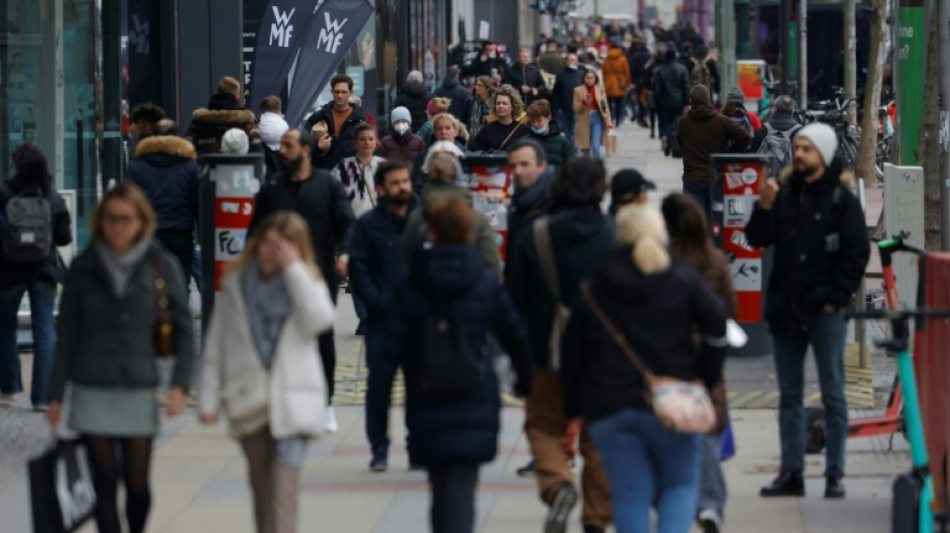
(114, 411)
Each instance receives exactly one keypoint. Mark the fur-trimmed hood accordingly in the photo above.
(846, 177)
(166, 144)
(233, 117)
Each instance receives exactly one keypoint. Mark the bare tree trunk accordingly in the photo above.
(850, 56)
(867, 152)
(928, 147)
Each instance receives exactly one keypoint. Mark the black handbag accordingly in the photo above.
(448, 368)
(62, 494)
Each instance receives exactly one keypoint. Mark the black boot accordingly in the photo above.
(834, 488)
(788, 483)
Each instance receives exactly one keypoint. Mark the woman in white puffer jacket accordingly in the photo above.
(262, 364)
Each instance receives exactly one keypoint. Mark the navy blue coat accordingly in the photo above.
(165, 168)
(463, 431)
(564, 84)
(376, 262)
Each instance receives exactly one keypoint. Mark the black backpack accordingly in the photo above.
(29, 234)
(447, 366)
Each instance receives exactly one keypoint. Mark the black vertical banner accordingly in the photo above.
(283, 26)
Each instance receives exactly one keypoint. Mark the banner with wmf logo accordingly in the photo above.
(283, 26)
(333, 31)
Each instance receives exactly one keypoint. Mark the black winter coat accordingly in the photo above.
(671, 84)
(567, 80)
(376, 261)
(460, 105)
(344, 136)
(657, 315)
(415, 98)
(323, 203)
(582, 239)
(498, 137)
(14, 273)
(463, 431)
(638, 61)
(526, 205)
(821, 246)
(530, 76)
(165, 168)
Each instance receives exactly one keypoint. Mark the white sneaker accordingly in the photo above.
(329, 423)
(7, 400)
(710, 521)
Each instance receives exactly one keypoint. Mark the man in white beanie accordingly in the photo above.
(234, 141)
(821, 250)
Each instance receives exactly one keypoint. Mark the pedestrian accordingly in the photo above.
(646, 81)
(415, 97)
(338, 121)
(532, 173)
(446, 128)
(261, 356)
(577, 238)
(643, 299)
(637, 58)
(704, 69)
(30, 266)
(482, 105)
(376, 267)
(525, 77)
(119, 295)
(628, 187)
(546, 132)
(776, 139)
(551, 61)
(165, 168)
(402, 144)
(821, 248)
(701, 133)
(503, 127)
(224, 112)
(490, 62)
(357, 173)
(563, 98)
(322, 201)
(454, 429)
(671, 92)
(735, 109)
(617, 80)
(273, 127)
(234, 142)
(592, 115)
(691, 244)
(460, 98)
(145, 118)
(445, 171)
(436, 106)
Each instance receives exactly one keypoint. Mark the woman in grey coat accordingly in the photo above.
(107, 350)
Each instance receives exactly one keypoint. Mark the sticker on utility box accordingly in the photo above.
(746, 275)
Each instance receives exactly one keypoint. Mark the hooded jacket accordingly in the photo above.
(657, 314)
(14, 273)
(405, 148)
(821, 245)
(617, 76)
(529, 75)
(344, 135)
(559, 149)
(671, 84)
(704, 131)
(460, 99)
(165, 168)
(224, 112)
(415, 97)
(462, 431)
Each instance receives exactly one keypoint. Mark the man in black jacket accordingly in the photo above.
(338, 120)
(580, 238)
(563, 98)
(490, 62)
(376, 266)
(671, 92)
(528, 161)
(322, 202)
(821, 250)
(460, 98)
(526, 78)
(415, 97)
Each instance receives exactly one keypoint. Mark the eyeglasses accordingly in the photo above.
(118, 220)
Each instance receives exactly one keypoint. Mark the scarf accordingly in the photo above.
(120, 269)
(268, 305)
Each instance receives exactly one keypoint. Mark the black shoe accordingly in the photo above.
(786, 484)
(564, 501)
(413, 467)
(592, 529)
(834, 488)
(526, 470)
(380, 463)
(360, 329)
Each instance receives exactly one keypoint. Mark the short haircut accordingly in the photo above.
(341, 78)
(388, 167)
(452, 72)
(699, 95)
(701, 52)
(126, 191)
(415, 77)
(785, 103)
(550, 41)
(270, 104)
(147, 112)
(686, 47)
(538, 109)
(363, 126)
(582, 182)
(228, 85)
(450, 221)
(487, 42)
(166, 126)
(527, 142)
(305, 138)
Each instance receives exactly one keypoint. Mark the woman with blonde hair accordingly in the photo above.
(123, 306)
(654, 304)
(262, 364)
(504, 126)
(435, 107)
(447, 129)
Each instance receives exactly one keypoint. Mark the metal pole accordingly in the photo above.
(803, 52)
(784, 44)
(850, 58)
(895, 84)
(944, 35)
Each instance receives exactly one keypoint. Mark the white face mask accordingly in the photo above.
(401, 127)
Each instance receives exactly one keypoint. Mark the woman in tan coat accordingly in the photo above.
(592, 115)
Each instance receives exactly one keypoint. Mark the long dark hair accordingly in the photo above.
(32, 170)
(687, 226)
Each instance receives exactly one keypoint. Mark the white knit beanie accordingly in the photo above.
(823, 137)
(234, 141)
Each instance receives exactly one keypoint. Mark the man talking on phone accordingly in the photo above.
(334, 126)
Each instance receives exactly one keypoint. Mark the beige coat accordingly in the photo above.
(582, 124)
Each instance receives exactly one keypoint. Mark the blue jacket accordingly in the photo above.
(165, 168)
(463, 431)
(564, 84)
(376, 262)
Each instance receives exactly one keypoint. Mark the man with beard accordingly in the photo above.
(322, 202)
(376, 266)
(821, 250)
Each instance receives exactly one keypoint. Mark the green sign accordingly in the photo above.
(912, 55)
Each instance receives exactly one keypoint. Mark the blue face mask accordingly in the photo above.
(572, 67)
(539, 131)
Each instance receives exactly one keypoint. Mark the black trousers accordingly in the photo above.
(328, 346)
(453, 497)
(182, 245)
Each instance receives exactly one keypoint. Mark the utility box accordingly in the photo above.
(904, 213)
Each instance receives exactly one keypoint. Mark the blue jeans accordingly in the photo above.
(596, 132)
(646, 463)
(712, 482)
(359, 307)
(618, 109)
(42, 301)
(379, 390)
(826, 334)
(701, 191)
(566, 120)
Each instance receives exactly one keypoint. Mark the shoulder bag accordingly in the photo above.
(562, 313)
